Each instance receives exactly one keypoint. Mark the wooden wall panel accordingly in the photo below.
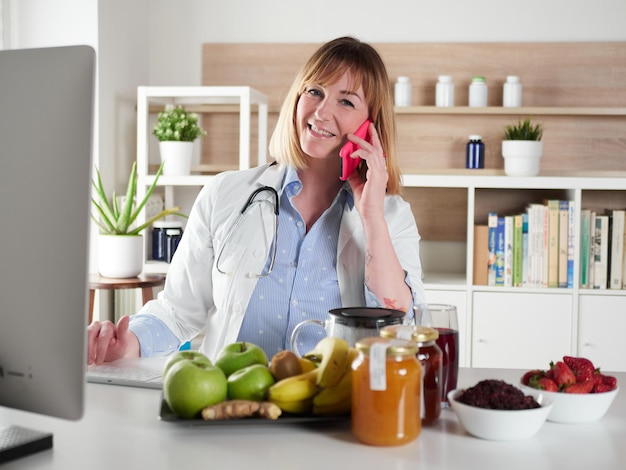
(552, 74)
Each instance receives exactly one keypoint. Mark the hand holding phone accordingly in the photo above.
(349, 164)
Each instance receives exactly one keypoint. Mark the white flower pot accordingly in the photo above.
(522, 157)
(177, 157)
(120, 256)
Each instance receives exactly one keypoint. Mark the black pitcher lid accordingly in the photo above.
(366, 312)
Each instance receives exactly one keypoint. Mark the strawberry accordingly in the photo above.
(580, 387)
(532, 375)
(583, 368)
(546, 384)
(563, 375)
(600, 388)
(609, 381)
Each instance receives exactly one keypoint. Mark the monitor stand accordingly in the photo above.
(16, 442)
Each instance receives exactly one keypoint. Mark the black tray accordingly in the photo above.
(166, 414)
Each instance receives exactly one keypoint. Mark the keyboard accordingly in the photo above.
(131, 372)
(16, 442)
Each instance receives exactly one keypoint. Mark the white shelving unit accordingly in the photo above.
(526, 327)
(501, 324)
(246, 101)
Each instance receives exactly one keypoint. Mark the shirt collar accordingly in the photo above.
(292, 184)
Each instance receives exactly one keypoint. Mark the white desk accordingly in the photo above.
(121, 430)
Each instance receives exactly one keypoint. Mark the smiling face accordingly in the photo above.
(326, 113)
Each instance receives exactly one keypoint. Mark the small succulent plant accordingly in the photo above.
(524, 130)
(176, 124)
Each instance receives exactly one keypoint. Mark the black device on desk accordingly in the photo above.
(46, 128)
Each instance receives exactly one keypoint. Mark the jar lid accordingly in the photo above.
(417, 334)
(478, 79)
(512, 79)
(403, 79)
(167, 224)
(475, 137)
(445, 78)
(394, 346)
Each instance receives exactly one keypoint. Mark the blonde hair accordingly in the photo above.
(325, 67)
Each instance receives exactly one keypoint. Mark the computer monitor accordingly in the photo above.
(46, 128)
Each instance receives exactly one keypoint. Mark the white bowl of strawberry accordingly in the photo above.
(579, 391)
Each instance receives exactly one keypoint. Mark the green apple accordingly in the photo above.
(191, 385)
(184, 356)
(250, 383)
(238, 355)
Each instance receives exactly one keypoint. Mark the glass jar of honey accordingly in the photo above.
(431, 359)
(386, 387)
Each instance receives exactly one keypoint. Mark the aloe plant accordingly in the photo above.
(523, 130)
(115, 220)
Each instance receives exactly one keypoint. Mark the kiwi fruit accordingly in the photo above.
(285, 364)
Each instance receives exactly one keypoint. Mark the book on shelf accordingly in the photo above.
(481, 254)
(592, 249)
(563, 242)
(609, 214)
(525, 254)
(616, 249)
(535, 244)
(553, 242)
(624, 261)
(571, 243)
(517, 250)
(508, 250)
(545, 261)
(500, 252)
(585, 217)
(601, 251)
(492, 224)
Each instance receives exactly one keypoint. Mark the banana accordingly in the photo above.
(296, 407)
(333, 355)
(307, 364)
(296, 388)
(336, 409)
(337, 399)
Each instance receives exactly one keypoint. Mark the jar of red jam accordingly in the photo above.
(386, 387)
(431, 359)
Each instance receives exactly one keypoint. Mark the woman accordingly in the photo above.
(332, 243)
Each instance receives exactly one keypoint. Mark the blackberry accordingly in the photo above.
(497, 395)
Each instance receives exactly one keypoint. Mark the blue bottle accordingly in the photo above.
(475, 153)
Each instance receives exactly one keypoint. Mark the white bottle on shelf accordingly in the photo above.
(444, 91)
(478, 92)
(402, 95)
(512, 92)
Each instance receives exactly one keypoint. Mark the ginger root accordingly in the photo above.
(235, 409)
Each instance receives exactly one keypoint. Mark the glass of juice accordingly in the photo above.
(444, 319)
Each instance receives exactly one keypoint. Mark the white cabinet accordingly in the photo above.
(242, 100)
(520, 330)
(601, 327)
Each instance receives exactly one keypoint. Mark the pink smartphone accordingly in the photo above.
(349, 164)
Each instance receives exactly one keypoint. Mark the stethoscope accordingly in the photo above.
(246, 206)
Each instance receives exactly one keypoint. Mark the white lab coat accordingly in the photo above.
(197, 295)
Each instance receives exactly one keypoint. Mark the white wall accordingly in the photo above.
(177, 29)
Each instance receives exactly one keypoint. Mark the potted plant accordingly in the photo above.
(176, 130)
(120, 244)
(522, 148)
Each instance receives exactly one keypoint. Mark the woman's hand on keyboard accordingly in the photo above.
(107, 342)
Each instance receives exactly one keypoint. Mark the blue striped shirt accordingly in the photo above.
(303, 284)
